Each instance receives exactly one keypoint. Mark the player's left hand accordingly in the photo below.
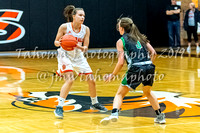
(78, 46)
(83, 48)
(109, 78)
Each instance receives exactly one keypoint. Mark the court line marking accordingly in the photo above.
(22, 73)
(15, 84)
(135, 127)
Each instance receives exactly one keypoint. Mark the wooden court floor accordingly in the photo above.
(29, 90)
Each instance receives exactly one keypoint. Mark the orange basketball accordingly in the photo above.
(68, 42)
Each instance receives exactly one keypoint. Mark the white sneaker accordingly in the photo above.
(160, 119)
(198, 50)
(105, 121)
(113, 117)
(189, 49)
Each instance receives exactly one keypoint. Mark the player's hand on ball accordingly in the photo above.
(57, 43)
(60, 39)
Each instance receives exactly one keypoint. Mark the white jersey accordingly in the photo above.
(76, 53)
(69, 61)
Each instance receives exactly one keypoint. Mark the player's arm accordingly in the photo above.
(152, 52)
(120, 62)
(60, 33)
(86, 42)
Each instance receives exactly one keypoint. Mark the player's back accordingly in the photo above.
(134, 51)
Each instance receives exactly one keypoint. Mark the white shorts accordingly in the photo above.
(68, 64)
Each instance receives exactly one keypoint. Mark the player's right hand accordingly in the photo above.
(109, 78)
(57, 43)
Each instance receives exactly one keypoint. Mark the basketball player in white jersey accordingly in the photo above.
(74, 61)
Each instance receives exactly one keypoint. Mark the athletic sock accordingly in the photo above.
(61, 101)
(94, 100)
(158, 112)
(115, 110)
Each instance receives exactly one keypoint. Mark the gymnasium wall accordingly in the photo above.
(35, 23)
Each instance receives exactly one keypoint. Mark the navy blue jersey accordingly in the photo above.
(134, 51)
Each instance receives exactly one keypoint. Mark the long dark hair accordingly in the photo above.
(132, 30)
(69, 11)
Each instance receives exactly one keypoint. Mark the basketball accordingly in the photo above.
(68, 42)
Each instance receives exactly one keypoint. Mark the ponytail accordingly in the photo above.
(68, 13)
(136, 35)
(132, 30)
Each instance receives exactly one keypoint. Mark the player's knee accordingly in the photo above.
(120, 94)
(69, 81)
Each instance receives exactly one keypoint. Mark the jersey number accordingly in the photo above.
(139, 46)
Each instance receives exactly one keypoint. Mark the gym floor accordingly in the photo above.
(29, 90)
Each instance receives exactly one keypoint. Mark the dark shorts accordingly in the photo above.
(139, 74)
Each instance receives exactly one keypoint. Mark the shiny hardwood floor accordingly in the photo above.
(29, 90)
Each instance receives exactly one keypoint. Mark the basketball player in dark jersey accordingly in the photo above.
(134, 48)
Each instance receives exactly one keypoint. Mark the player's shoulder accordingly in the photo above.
(119, 45)
(119, 41)
(85, 27)
(63, 26)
